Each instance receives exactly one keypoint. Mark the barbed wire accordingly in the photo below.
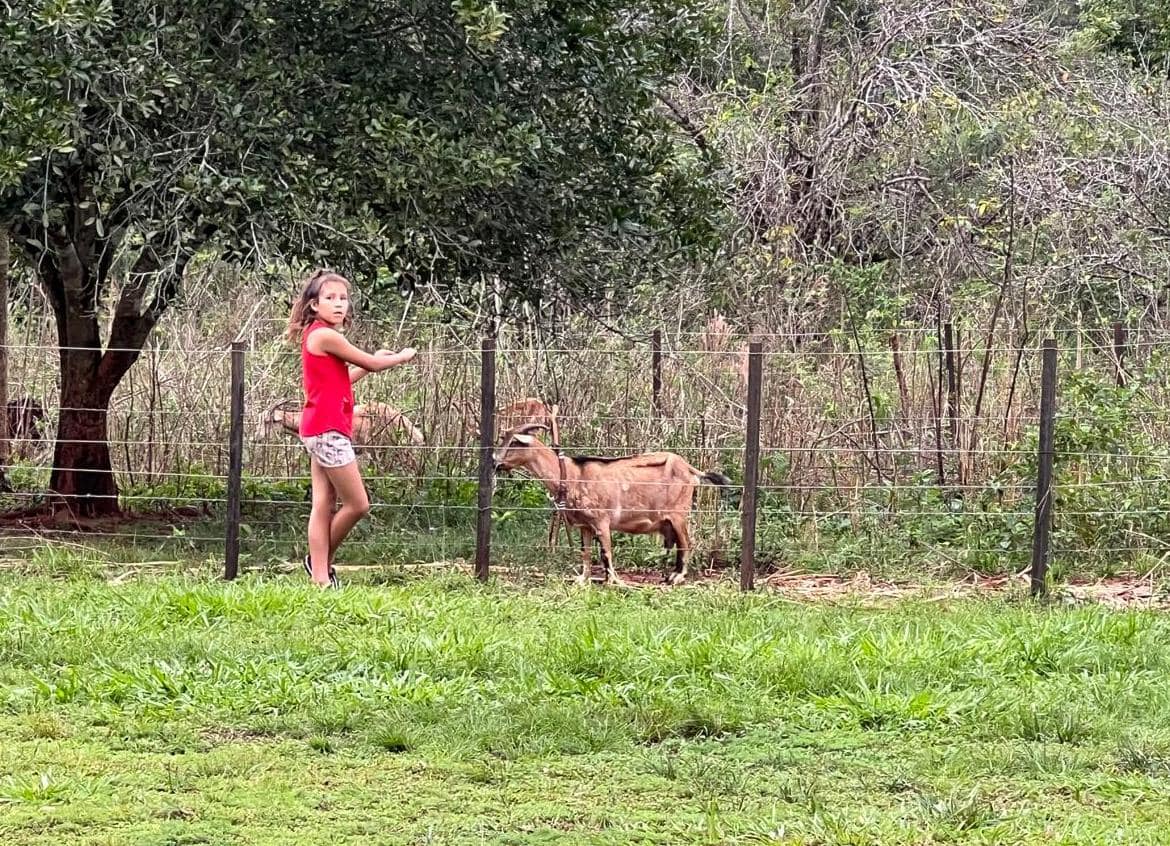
(856, 491)
(569, 551)
(617, 452)
(876, 511)
(226, 350)
(648, 419)
(105, 533)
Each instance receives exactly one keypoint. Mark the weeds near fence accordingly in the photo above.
(903, 449)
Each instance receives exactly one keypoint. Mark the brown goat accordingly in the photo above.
(639, 494)
(522, 413)
(517, 414)
(373, 422)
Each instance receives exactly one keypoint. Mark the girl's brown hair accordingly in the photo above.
(302, 313)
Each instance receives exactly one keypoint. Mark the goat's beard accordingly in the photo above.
(497, 472)
(513, 473)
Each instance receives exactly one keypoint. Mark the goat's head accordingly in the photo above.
(512, 417)
(24, 419)
(515, 449)
(34, 410)
(276, 416)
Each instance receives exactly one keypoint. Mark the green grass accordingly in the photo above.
(175, 709)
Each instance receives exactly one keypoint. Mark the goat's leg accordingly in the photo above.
(669, 539)
(611, 576)
(682, 547)
(554, 530)
(586, 556)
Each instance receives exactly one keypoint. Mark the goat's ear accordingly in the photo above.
(523, 439)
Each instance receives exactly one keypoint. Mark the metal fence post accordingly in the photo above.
(1041, 535)
(487, 430)
(235, 464)
(1119, 341)
(951, 339)
(751, 468)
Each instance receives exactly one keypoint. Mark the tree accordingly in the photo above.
(910, 155)
(419, 142)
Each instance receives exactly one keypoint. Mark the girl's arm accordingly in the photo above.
(357, 373)
(334, 343)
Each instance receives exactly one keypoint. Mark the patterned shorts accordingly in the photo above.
(331, 449)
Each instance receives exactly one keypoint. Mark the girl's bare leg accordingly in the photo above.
(320, 520)
(355, 503)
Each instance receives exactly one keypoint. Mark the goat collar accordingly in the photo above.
(562, 485)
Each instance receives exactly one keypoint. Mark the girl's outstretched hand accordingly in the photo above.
(391, 359)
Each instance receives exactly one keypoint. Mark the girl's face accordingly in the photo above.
(332, 303)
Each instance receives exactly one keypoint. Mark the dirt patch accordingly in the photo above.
(1116, 592)
(861, 587)
(1119, 592)
(46, 518)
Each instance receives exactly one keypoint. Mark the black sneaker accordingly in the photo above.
(333, 580)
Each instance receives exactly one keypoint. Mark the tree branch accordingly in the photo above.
(133, 323)
(683, 120)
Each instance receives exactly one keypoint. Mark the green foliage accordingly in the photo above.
(440, 143)
(1137, 29)
(437, 141)
(1112, 478)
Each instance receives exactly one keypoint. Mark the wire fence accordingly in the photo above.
(894, 446)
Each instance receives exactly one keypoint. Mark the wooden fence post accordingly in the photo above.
(1041, 534)
(487, 434)
(231, 567)
(751, 468)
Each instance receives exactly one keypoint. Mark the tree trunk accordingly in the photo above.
(82, 473)
(75, 264)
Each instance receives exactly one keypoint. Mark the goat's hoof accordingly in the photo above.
(675, 579)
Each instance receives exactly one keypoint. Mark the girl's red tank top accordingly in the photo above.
(328, 391)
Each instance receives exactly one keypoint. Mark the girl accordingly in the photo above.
(330, 365)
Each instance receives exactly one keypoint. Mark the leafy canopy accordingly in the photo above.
(439, 141)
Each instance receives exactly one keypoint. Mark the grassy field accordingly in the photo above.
(179, 710)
